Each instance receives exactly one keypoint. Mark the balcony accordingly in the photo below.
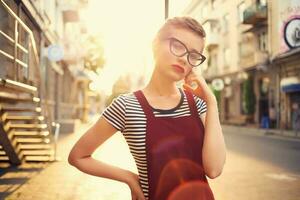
(252, 59)
(212, 41)
(211, 26)
(254, 14)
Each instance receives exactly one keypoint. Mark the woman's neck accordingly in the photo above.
(161, 86)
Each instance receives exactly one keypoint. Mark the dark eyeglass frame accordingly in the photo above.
(172, 40)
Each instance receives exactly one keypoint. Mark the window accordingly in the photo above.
(244, 49)
(262, 2)
(204, 11)
(225, 23)
(213, 59)
(226, 54)
(240, 11)
(262, 41)
(213, 3)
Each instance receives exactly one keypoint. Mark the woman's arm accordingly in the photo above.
(81, 157)
(214, 150)
(81, 154)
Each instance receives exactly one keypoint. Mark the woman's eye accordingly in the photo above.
(178, 46)
(194, 57)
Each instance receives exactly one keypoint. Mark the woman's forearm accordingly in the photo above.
(94, 167)
(214, 150)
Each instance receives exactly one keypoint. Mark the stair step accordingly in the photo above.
(20, 109)
(33, 140)
(37, 152)
(4, 158)
(2, 153)
(39, 158)
(18, 97)
(28, 126)
(12, 117)
(19, 86)
(30, 133)
(35, 146)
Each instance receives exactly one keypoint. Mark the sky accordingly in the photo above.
(126, 29)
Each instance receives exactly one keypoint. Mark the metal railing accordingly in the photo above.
(18, 23)
(26, 64)
(255, 9)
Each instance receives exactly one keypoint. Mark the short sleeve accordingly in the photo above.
(115, 113)
(201, 105)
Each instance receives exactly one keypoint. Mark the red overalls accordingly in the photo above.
(174, 155)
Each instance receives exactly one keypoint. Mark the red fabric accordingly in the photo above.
(174, 154)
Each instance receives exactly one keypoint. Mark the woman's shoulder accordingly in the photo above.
(125, 99)
(125, 96)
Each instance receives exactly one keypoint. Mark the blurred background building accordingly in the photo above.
(52, 68)
(253, 49)
(45, 75)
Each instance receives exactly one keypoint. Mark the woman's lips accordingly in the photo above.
(178, 68)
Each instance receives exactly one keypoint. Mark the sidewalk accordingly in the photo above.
(61, 181)
(286, 134)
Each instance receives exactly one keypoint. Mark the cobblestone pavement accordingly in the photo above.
(243, 178)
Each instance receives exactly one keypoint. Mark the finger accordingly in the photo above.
(193, 84)
(195, 79)
(188, 79)
(187, 88)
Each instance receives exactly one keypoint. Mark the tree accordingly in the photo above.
(121, 86)
(248, 97)
(94, 57)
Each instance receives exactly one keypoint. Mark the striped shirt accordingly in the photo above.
(127, 116)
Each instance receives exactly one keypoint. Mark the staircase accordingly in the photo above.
(24, 132)
(25, 121)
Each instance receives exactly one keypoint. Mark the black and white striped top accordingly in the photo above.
(126, 115)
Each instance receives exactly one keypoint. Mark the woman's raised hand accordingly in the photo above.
(201, 89)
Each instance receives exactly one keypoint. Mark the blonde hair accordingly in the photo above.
(184, 22)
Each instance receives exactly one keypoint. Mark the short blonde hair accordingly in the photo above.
(184, 22)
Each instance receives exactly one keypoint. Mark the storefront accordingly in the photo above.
(289, 85)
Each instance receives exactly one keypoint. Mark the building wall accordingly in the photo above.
(281, 12)
(229, 37)
(232, 48)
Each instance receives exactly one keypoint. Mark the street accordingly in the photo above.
(257, 167)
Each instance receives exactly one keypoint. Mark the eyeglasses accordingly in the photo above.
(177, 48)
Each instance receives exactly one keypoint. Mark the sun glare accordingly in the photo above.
(127, 29)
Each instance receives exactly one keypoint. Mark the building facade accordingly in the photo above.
(42, 78)
(247, 50)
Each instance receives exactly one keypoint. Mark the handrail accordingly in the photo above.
(27, 29)
(32, 44)
(56, 135)
(18, 85)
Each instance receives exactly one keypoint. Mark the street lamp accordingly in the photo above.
(166, 9)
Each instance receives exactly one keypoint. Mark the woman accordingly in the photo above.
(174, 135)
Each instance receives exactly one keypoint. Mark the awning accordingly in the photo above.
(290, 84)
(291, 88)
(285, 55)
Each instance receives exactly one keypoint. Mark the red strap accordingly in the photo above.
(144, 104)
(192, 104)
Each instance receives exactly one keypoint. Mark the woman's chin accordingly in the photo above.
(177, 77)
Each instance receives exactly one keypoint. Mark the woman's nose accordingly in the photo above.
(183, 60)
